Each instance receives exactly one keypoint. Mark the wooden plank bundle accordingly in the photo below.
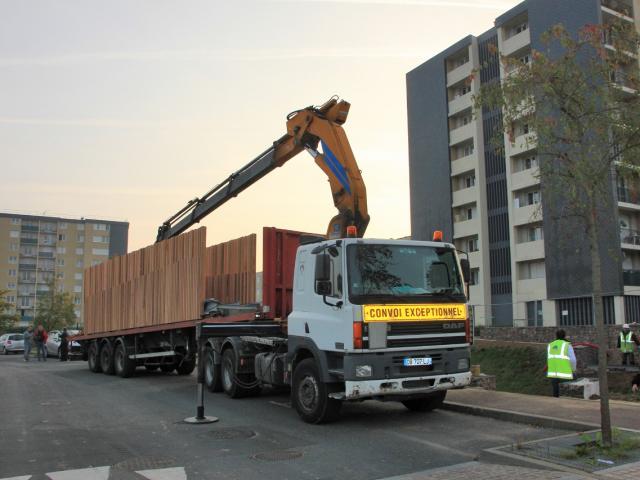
(230, 270)
(160, 284)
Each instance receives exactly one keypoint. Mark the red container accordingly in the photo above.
(278, 261)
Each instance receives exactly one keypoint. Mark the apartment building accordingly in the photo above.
(37, 249)
(524, 271)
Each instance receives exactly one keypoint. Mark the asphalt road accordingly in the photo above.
(59, 416)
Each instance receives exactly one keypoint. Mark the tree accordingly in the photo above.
(8, 318)
(579, 101)
(55, 309)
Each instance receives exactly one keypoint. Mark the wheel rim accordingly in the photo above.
(227, 375)
(208, 371)
(308, 393)
(119, 358)
(92, 356)
(104, 359)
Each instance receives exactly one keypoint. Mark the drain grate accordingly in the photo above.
(231, 433)
(277, 455)
(144, 463)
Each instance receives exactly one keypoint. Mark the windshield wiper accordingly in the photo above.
(447, 293)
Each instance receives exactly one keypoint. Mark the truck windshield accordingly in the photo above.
(411, 273)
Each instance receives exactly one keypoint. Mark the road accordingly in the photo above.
(57, 417)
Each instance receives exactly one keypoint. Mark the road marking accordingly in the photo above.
(434, 445)
(280, 404)
(96, 473)
(23, 477)
(176, 473)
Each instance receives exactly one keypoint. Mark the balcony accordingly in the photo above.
(631, 277)
(522, 144)
(460, 103)
(29, 241)
(629, 239)
(29, 228)
(529, 251)
(527, 214)
(26, 266)
(459, 73)
(630, 197)
(464, 196)
(461, 134)
(27, 280)
(525, 178)
(516, 42)
(618, 9)
(466, 228)
(27, 255)
(534, 287)
(45, 254)
(464, 164)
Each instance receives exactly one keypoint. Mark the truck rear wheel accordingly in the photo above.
(186, 366)
(212, 372)
(230, 378)
(106, 359)
(93, 357)
(310, 395)
(426, 404)
(124, 366)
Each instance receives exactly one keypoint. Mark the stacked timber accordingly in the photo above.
(231, 270)
(157, 285)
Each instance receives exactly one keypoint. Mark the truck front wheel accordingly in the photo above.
(310, 394)
(426, 404)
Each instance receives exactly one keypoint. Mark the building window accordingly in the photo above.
(60, 275)
(472, 244)
(79, 263)
(11, 285)
(14, 234)
(100, 251)
(14, 247)
(10, 298)
(526, 199)
(534, 313)
(530, 162)
(77, 288)
(15, 221)
(79, 251)
(80, 226)
(475, 276)
(80, 238)
(62, 237)
(467, 150)
(469, 213)
(77, 300)
(60, 262)
(531, 270)
(521, 27)
(78, 276)
(95, 262)
(101, 226)
(469, 181)
(12, 273)
(101, 239)
(62, 225)
(13, 259)
(535, 233)
(61, 250)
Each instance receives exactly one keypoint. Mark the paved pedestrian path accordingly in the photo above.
(108, 473)
(623, 414)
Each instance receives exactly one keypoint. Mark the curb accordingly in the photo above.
(518, 417)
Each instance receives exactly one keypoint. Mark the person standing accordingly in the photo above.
(28, 338)
(40, 339)
(561, 362)
(64, 345)
(627, 341)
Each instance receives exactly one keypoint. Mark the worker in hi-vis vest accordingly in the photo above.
(627, 341)
(561, 362)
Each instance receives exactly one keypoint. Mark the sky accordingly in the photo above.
(126, 109)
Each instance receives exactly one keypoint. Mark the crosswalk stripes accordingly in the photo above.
(102, 473)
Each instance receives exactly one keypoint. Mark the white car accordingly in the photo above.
(53, 344)
(11, 343)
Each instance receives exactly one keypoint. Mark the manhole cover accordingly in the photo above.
(144, 463)
(231, 433)
(277, 455)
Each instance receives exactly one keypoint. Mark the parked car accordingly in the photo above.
(53, 344)
(11, 343)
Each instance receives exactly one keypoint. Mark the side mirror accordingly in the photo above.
(466, 269)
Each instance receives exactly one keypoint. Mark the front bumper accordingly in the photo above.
(362, 389)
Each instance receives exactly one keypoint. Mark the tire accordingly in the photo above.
(168, 367)
(310, 395)
(426, 404)
(185, 367)
(123, 366)
(106, 359)
(212, 372)
(230, 379)
(93, 357)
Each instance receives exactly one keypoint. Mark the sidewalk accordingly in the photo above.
(519, 407)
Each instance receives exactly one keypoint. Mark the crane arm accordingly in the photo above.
(307, 129)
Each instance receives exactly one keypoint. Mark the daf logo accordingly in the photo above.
(452, 326)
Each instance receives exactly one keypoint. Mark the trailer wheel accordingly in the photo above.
(106, 359)
(93, 357)
(230, 378)
(212, 372)
(124, 366)
(185, 367)
(426, 404)
(310, 395)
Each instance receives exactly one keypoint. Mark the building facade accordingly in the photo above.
(36, 250)
(524, 270)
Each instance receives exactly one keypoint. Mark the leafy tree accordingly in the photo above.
(579, 98)
(7, 319)
(55, 310)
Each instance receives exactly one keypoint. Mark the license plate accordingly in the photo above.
(418, 362)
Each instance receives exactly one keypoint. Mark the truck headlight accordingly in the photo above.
(463, 364)
(363, 370)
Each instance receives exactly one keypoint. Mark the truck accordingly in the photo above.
(355, 318)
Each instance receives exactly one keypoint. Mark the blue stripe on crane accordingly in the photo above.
(335, 166)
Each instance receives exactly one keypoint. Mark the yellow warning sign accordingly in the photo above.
(413, 313)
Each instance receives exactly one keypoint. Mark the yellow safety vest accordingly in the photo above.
(558, 361)
(626, 344)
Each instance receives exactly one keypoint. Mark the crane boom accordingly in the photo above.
(307, 129)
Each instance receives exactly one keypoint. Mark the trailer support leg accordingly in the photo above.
(200, 417)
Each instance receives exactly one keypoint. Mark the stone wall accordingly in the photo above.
(546, 334)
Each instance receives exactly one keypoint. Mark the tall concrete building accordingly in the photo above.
(37, 249)
(524, 270)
